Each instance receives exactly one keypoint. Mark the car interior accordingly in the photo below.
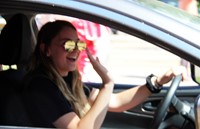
(15, 49)
(197, 112)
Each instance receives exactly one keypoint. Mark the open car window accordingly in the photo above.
(128, 58)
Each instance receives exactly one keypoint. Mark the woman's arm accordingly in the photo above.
(126, 99)
(94, 117)
(132, 97)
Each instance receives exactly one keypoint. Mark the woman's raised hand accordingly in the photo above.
(99, 68)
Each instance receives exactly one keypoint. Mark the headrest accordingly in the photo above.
(15, 40)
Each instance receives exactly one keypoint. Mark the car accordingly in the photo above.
(151, 38)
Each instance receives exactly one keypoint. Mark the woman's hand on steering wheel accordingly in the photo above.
(174, 71)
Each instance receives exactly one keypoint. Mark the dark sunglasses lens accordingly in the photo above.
(70, 45)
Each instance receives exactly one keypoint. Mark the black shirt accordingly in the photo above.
(44, 101)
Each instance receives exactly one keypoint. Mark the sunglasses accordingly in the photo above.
(70, 45)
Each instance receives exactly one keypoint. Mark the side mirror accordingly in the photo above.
(197, 112)
(195, 73)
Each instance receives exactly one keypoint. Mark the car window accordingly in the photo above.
(132, 59)
(128, 58)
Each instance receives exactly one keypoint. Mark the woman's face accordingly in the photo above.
(64, 61)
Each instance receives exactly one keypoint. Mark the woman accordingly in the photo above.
(55, 95)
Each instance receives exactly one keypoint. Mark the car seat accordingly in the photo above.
(15, 49)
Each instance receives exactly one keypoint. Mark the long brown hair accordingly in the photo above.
(76, 95)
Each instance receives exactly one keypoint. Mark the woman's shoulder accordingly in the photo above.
(37, 78)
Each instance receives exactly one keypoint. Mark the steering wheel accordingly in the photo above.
(161, 111)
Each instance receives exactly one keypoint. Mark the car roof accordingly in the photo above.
(149, 12)
(163, 25)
